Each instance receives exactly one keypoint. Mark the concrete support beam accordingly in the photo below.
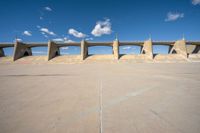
(21, 50)
(53, 50)
(1, 52)
(116, 49)
(180, 48)
(84, 49)
(147, 49)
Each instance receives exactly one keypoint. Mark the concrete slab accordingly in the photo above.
(136, 97)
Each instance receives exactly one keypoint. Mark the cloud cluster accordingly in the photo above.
(126, 48)
(18, 40)
(101, 28)
(27, 33)
(62, 40)
(46, 31)
(196, 2)
(174, 16)
(76, 33)
(47, 8)
(89, 39)
(39, 52)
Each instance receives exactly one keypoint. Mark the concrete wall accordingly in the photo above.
(20, 50)
(53, 50)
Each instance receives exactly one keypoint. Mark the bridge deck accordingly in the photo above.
(121, 43)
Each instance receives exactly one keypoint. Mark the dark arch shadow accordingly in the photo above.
(26, 53)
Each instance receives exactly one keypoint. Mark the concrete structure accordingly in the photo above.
(53, 50)
(147, 49)
(116, 49)
(1, 52)
(84, 49)
(180, 48)
(21, 50)
(136, 98)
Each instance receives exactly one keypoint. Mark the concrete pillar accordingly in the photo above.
(116, 49)
(21, 50)
(1, 52)
(147, 49)
(53, 50)
(180, 48)
(84, 49)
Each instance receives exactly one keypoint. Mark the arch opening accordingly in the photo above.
(70, 50)
(39, 51)
(26, 53)
(8, 51)
(129, 50)
(162, 49)
(100, 50)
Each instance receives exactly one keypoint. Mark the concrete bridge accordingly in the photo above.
(182, 48)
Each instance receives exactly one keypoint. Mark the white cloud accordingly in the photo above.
(196, 2)
(101, 28)
(88, 39)
(27, 33)
(46, 36)
(47, 8)
(18, 40)
(39, 52)
(127, 47)
(58, 40)
(76, 33)
(46, 31)
(41, 18)
(64, 53)
(174, 16)
(66, 40)
(64, 48)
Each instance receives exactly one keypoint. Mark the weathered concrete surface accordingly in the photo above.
(180, 48)
(147, 49)
(116, 49)
(137, 98)
(53, 50)
(84, 49)
(20, 50)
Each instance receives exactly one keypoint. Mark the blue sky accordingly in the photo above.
(99, 20)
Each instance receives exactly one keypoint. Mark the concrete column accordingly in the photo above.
(116, 49)
(1, 52)
(180, 48)
(84, 49)
(21, 50)
(147, 49)
(53, 50)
